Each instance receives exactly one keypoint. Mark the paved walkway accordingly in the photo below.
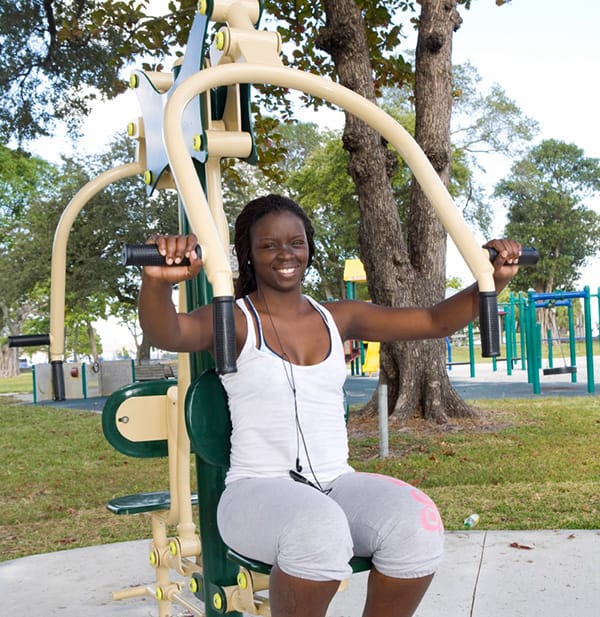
(484, 574)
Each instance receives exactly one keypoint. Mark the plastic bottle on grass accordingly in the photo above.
(471, 521)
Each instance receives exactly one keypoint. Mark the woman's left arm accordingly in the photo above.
(371, 322)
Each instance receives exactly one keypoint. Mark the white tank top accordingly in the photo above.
(265, 441)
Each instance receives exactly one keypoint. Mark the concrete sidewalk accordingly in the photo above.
(484, 574)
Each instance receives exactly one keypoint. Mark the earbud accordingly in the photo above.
(298, 466)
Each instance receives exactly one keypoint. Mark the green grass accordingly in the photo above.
(532, 463)
(58, 472)
(22, 384)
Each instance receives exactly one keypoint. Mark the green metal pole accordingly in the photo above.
(589, 341)
(533, 338)
(34, 384)
(84, 381)
(509, 325)
(524, 331)
(471, 349)
(572, 342)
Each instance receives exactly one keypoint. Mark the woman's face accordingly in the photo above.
(279, 250)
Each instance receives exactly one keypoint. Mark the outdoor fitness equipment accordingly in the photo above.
(196, 137)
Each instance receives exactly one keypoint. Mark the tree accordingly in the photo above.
(24, 181)
(402, 272)
(96, 282)
(59, 56)
(404, 266)
(545, 195)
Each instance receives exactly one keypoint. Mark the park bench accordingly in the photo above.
(150, 372)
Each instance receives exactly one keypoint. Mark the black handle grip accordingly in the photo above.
(148, 255)
(529, 256)
(489, 326)
(224, 334)
(28, 340)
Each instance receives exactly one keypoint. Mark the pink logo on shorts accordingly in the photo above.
(430, 517)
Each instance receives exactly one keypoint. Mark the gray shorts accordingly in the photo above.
(312, 535)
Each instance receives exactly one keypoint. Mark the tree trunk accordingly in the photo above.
(9, 356)
(9, 363)
(401, 272)
(143, 350)
(91, 332)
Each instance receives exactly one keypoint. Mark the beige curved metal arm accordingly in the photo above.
(59, 250)
(197, 209)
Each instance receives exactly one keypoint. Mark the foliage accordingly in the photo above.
(545, 194)
(25, 182)
(95, 279)
(385, 33)
(483, 122)
(61, 56)
(327, 194)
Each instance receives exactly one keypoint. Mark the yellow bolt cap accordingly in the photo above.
(202, 7)
(242, 580)
(173, 547)
(217, 601)
(219, 40)
(147, 176)
(134, 81)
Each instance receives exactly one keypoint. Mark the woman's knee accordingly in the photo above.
(414, 545)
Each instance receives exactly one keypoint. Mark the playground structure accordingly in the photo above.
(525, 342)
(207, 118)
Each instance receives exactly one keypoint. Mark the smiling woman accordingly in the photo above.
(289, 445)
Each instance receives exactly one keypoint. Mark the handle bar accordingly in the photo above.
(148, 255)
(489, 327)
(529, 256)
(28, 340)
(223, 319)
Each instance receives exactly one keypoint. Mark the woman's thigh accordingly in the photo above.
(278, 521)
(392, 522)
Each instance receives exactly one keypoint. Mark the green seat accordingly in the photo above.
(143, 502)
(358, 564)
(209, 428)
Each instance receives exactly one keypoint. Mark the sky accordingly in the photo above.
(543, 53)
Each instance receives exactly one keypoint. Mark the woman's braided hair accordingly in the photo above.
(252, 212)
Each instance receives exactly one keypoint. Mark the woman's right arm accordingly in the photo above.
(160, 321)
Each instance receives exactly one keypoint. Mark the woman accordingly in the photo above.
(310, 511)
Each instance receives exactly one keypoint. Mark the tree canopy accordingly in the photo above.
(546, 194)
(96, 283)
